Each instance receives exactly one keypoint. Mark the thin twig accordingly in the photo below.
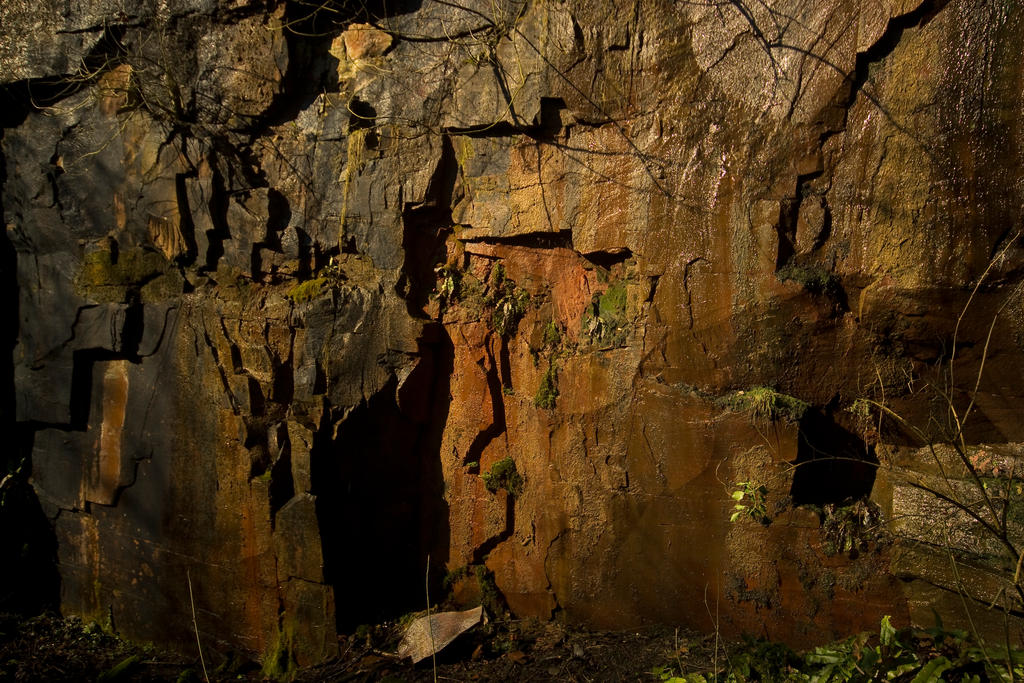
(430, 623)
(962, 592)
(195, 626)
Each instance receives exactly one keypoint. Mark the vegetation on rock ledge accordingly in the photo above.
(307, 290)
(605, 319)
(763, 403)
(504, 475)
(509, 302)
(547, 392)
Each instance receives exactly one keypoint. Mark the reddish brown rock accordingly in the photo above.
(495, 288)
(363, 41)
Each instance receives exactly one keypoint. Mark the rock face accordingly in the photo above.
(309, 292)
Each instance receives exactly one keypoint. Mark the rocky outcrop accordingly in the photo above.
(309, 292)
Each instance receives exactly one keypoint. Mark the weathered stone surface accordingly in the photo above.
(364, 41)
(296, 289)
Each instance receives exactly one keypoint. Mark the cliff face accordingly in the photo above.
(310, 291)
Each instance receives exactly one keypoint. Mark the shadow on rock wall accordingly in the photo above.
(380, 503)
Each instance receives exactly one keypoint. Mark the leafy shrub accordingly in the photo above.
(751, 501)
(921, 656)
(449, 287)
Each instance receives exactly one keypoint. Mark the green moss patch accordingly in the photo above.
(280, 664)
(504, 475)
(612, 304)
(547, 392)
(307, 290)
(109, 275)
(552, 336)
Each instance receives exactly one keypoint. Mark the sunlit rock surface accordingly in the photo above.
(297, 282)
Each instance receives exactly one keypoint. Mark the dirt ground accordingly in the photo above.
(50, 648)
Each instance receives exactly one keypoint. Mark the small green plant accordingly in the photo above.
(850, 529)
(667, 674)
(547, 392)
(504, 475)
(765, 404)
(121, 670)
(490, 597)
(552, 337)
(307, 290)
(764, 660)
(906, 654)
(891, 654)
(509, 302)
(10, 473)
(449, 283)
(751, 501)
(604, 321)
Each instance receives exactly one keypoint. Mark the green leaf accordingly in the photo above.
(737, 495)
(825, 675)
(887, 634)
(932, 671)
(870, 657)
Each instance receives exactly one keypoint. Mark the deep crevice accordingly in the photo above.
(82, 371)
(498, 424)
(218, 209)
(29, 581)
(186, 224)
(310, 27)
(888, 42)
(279, 216)
(425, 230)
(481, 552)
(789, 215)
(608, 259)
(281, 486)
(377, 447)
(561, 239)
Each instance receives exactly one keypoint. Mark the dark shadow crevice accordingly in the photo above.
(376, 475)
(498, 424)
(425, 230)
(834, 465)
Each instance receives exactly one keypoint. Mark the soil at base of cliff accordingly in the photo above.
(51, 648)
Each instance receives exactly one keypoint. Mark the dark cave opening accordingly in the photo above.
(379, 488)
(833, 465)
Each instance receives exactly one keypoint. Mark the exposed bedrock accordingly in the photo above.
(310, 292)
